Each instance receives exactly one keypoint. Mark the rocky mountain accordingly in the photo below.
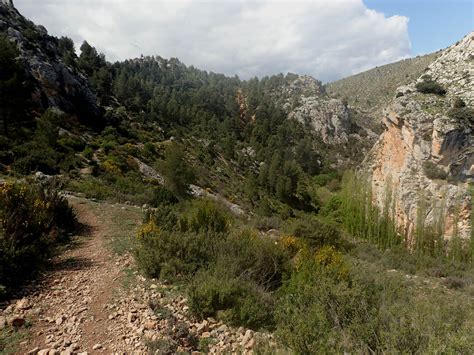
(425, 153)
(56, 84)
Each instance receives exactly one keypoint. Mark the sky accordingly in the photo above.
(327, 39)
(434, 24)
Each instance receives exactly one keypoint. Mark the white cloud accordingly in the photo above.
(327, 39)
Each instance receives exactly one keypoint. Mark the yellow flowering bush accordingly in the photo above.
(333, 261)
(148, 229)
(290, 243)
(111, 167)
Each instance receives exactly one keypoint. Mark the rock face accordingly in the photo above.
(329, 117)
(426, 155)
(56, 84)
(7, 3)
(304, 99)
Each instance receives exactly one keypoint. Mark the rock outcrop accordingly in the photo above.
(304, 99)
(56, 84)
(8, 3)
(329, 117)
(426, 154)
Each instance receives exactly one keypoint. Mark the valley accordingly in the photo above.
(147, 206)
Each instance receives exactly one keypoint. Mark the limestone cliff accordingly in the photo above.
(426, 153)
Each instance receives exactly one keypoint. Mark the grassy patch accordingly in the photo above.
(128, 278)
(9, 340)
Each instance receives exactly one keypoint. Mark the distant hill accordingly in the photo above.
(370, 90)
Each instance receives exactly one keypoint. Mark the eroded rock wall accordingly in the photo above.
(425, 154)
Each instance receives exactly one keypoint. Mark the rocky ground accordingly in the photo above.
(94, 301)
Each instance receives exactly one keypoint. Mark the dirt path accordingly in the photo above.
(69, 313)
(93, 301)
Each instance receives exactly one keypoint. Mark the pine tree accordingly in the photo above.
(90, 60)
(177, 174)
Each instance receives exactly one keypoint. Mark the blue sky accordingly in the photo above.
(434, 24)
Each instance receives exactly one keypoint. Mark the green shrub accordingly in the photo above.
(430, 87)
(210, 293)
(88, 152)
(176, 172)
(67, 142)
(332, 179)
(32, 220)
(433, 171)
(166, 218)
(162, 196)
(200, 216)
(233, 272)
(173, 254)
(207, 216)
(254, 309)
(253, 258)
(332, 208)
(108, 146)
(33, 156)
(267, 223)
(215, 293)
(93, 187)
(149, 149)
(315, 312)
(460, 112)
(368, 312)
(181, 246)
(315, 231)
(121, 188)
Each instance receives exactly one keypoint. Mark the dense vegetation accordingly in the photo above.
(365, 221)
(14, 91)
(33, 220)
(217, 120)
(307, 286)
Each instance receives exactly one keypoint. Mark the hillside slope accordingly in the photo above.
(372, 89)
(368, 92)
(253, 239)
